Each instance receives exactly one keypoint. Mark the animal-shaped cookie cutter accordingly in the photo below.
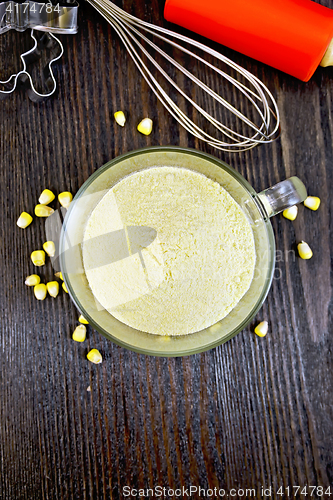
(24, 77)
(42, 17)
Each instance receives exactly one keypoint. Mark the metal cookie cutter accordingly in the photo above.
(46, 17)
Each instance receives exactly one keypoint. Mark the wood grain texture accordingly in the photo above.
(251, 412)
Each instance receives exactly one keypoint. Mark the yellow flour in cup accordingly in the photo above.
(168, 251)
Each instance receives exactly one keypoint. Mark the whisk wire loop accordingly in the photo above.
(127, 27)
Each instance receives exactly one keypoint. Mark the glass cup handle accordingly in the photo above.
(283, 195)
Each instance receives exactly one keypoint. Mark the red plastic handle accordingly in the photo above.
(290, 35)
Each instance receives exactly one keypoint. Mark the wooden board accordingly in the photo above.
(250, 413)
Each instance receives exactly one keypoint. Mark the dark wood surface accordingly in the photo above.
(251, 412)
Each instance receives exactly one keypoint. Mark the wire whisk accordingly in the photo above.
(131, 31)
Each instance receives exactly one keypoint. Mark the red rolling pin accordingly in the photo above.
(295, 36)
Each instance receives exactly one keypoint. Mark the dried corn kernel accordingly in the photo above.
(32, 280)
(304, 251)
(43, 211)
(261, 329)
(53, 288)
(24, 220)
(120, 118)
(88, 388)
(145, 126)
(290, 213)
(38, 257)
(40, 291)
(79, 334)
(94, 356)
(312, 202)
(65, 199)
(83, 320)
(49, 248)
(46, 197)
(59, 275)
(64, 287)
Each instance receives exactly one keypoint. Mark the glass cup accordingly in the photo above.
(257, 207)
